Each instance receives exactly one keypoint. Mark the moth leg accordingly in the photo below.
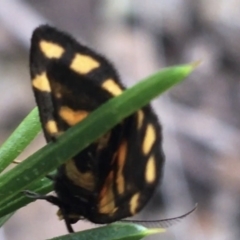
(55, 201)
(66, 220)
(52, 199)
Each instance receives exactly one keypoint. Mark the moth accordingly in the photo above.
(115, 176)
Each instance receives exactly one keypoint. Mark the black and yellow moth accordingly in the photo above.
(115, 176)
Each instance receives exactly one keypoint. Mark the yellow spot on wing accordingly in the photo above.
(51, 127)
(149, 139)
(41, 82)
(70, 116)
(85, 180)
(70, 216)
(83, 64)
(140, 116)
(59, 214)
(106, 203)
(134, 203)
(111, 86)
(122, 153)
(150, 171)
(51, 50)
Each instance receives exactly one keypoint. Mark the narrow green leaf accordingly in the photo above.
(19, 139)
(83, 134)
(19, 200)
(116, 231)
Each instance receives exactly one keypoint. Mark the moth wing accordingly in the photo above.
(136, 171)
(53, 53)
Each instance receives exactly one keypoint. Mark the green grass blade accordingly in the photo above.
(19, 139)
(81, 135)
(116, 231)
(19, 200)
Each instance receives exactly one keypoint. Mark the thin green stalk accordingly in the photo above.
(19, 139)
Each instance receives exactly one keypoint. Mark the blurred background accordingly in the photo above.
(200, 117)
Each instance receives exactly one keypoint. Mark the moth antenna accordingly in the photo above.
(163, 223)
